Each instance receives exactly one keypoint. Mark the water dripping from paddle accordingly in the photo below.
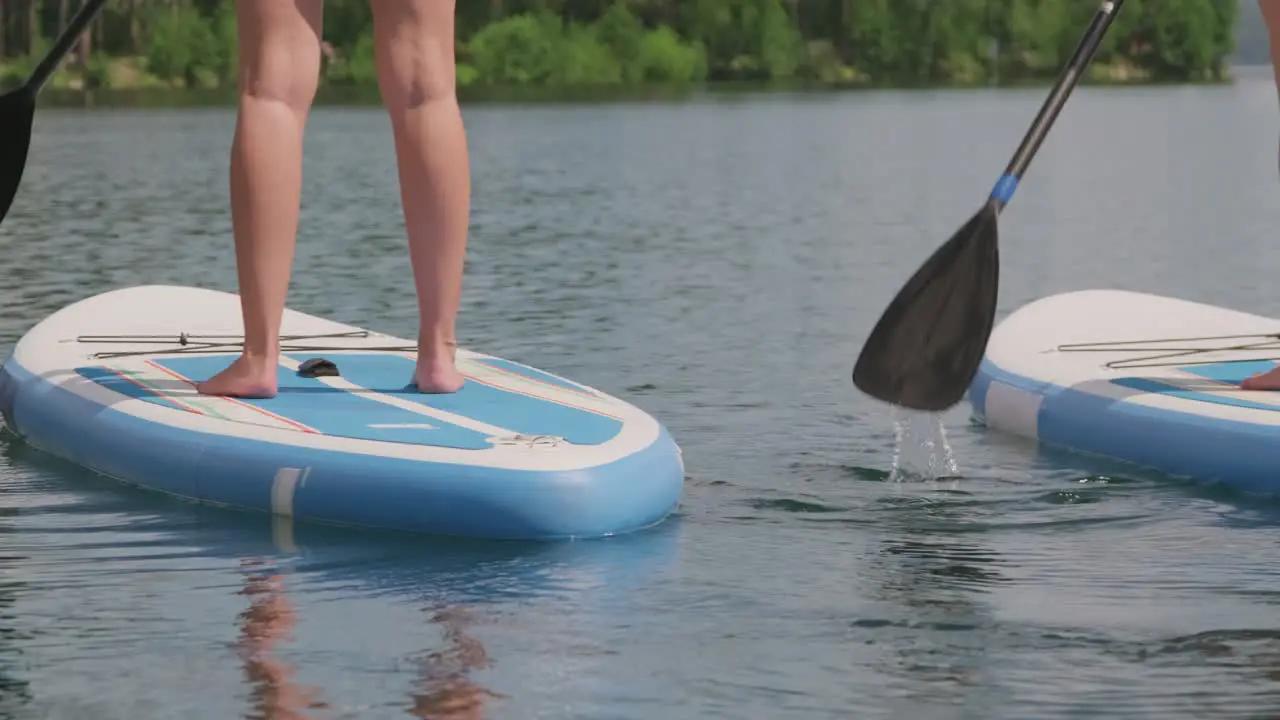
(921, 451)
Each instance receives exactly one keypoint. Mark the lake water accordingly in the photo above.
(719, 262)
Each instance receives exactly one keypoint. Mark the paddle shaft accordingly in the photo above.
(1067, 80)
(69, 37)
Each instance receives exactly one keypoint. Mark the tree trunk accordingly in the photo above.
(86, 42)
(33, 25)
(135, 28)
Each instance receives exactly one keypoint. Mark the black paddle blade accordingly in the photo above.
(17, 109)
(926, 348)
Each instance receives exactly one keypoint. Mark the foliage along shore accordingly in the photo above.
(548, 44)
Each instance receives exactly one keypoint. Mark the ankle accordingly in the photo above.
(259, 355)
(436, 342)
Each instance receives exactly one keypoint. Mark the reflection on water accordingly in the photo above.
(445, 689)
(15, 689)
(446, 584)
(931, 571)
(943, 564)
(266, 623)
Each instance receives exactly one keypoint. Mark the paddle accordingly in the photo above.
(928, 344)
(18, 106)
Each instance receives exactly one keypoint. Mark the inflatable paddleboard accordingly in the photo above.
(517, 453)
(1141, 378)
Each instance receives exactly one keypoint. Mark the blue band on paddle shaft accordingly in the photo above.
(1004, 188)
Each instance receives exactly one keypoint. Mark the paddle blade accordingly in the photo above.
(17, 109)
(926, 348)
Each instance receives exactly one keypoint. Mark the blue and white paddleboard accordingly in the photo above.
(1141, 378)
(107, 383)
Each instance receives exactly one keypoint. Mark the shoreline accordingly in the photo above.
(129, 85)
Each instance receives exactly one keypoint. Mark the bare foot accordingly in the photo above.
(436, 372)
(438, 378)
(1269, 380)
(247, 377)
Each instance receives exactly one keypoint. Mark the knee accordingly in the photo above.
(281, 73)
(416, 69)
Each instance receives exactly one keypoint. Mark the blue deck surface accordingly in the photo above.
(355, 414)
(522, 413)
(308, 401)
(1230, 373)
(121, 384)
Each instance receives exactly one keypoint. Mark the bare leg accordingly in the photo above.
(1269, 380)
(413, 42)
(1271, 15)
(279, 74)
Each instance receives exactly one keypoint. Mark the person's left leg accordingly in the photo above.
(413, 46)
(1269, 380)
(279, 76)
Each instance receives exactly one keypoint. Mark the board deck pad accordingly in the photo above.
(1229, 374)
(315, 406)
(510, 409)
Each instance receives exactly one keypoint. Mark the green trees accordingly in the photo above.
(627, 42)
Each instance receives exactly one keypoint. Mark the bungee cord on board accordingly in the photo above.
(1271, 342)
(188, 344)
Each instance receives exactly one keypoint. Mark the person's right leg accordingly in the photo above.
(279, 74)
(413, 41)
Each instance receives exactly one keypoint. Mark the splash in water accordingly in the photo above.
(922, 451)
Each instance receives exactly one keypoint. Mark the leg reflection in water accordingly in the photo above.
(446, 690)
(268, 621)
